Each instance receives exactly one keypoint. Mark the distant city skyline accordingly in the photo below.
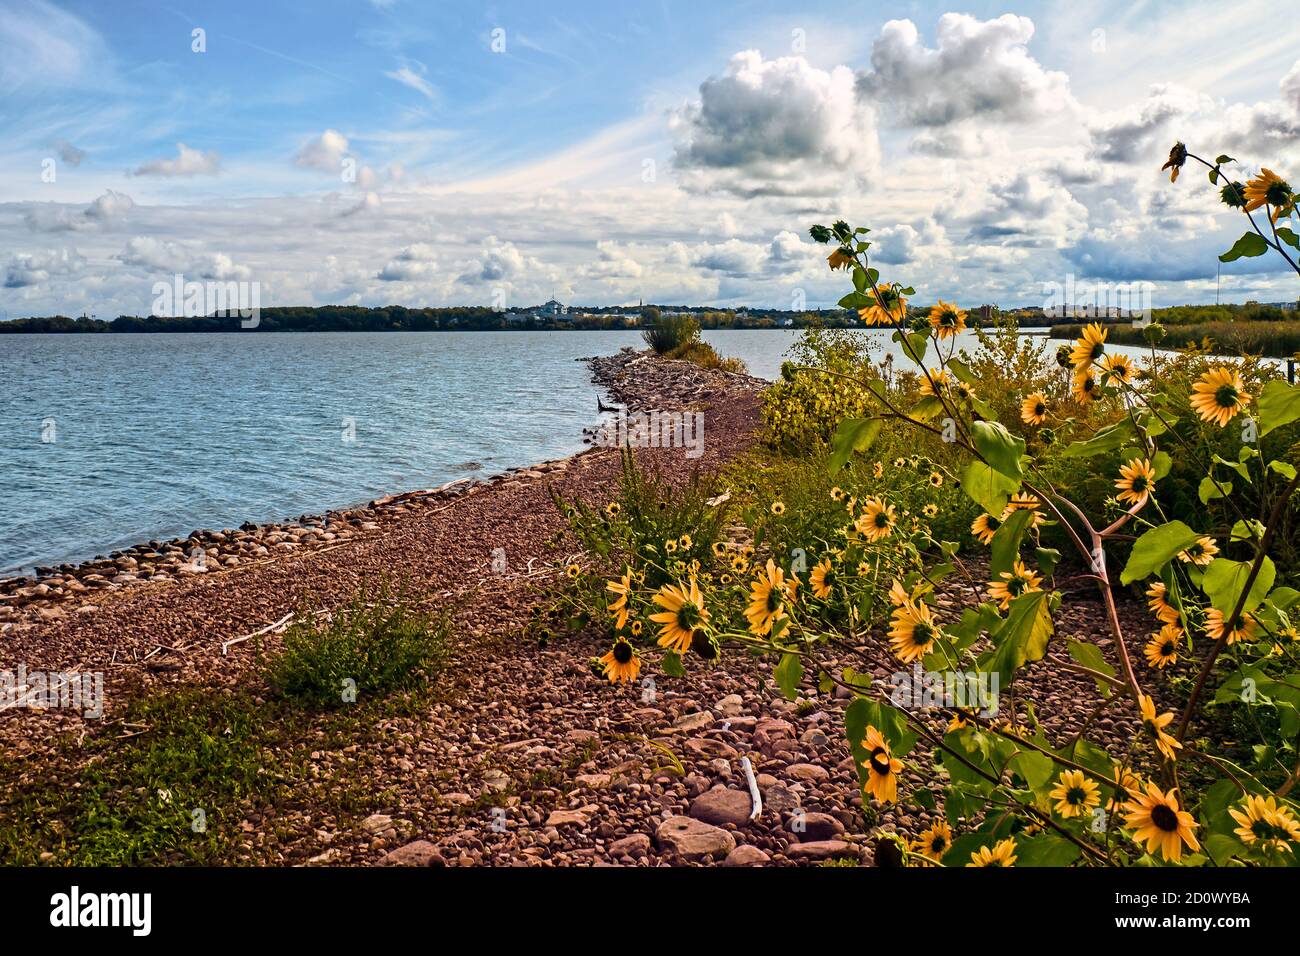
(388, 152)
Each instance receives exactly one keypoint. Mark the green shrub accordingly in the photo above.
(670, 332)
(704, 355)
(378, 641)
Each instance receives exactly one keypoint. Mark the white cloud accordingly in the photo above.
(416, 262)
(155, 255)
(775, 127)
(1290, 87)
(30, 269)
(980, 69)
(416, 81)
(732, 257)
(1137, 130)
(614, 262)
(325, 152)
(52, 217)
(188, 162)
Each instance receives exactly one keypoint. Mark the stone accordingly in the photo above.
(815, 827)
(693, 839)
(721, 806)
(708, 747)
(731, 705)
(769, 730)
(808, 772)
(636, 845)
(778, 798)
(819, 850)
(419, 853)
(376, 823)
(688, 723)
(746, 855)
(560, 818)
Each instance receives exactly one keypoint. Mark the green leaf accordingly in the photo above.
(1005, 547)
(1223, 158)
(1046, 849)
(1250, 245)
(1105, 440)
(1090, 656)
(1209, 489)
(927, 408)
(1023, 636)
(1000, 448)
(1289, 237)
(1279, 404)
(1283, 468)
(1048, 559)
(987, 488)
(852, 435)
(1225, 580)
(1154, 549)
(1036, 769)
(672, 665)
(788, 674)
(863, 713)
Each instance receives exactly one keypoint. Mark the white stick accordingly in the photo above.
(227, 645)
(754, 795)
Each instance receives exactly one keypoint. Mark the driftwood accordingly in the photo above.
(270, 628)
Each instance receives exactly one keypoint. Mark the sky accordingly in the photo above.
(381, 152)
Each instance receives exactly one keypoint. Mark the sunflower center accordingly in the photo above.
(1167, 650)
(1164, 818)
(688, 615)
(1139, 483)
(922, 634)
(1040, 409)
(773, 600)
(880, 761)
(1076, 796)
(882, 520)
(1225, 396)
(622, 652)
(1016, 586)
(938, 843)
(1279, 194)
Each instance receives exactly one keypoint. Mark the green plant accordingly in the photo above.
(670, 332)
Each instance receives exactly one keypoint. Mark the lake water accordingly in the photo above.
(110, 440)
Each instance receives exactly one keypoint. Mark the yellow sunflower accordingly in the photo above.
(934, 841)
(886, 308)
(1117, 368)
(1155, 725)
(1085, 388)
(985, 527)
(1019, 580)
(1033, 410)
(1177, 156)
(1075, 794)
(1162, 649)
(719, 549)
(1243, 630)
(683, 611)
(1136, 479)
(622, 587)
(935, 479)
(1219, 396)
(822, 579)
(1159, 604)
(946, 320)
(573, 570)
(882, 767)
(685, 542)
(636, 627)
(877, 470)
(931, 510)
(1156, 819)
(841, 258)
(778, 508)
(1200, 553)
(1261, 820)
(837, 494)
(1003, 854)
(1089, 347)
(937, 379)
(1268, 188)
(877, 520)
(912, 631)
(766, 599)
(621, 663)
(612, 509)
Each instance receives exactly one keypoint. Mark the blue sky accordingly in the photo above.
(375, 152)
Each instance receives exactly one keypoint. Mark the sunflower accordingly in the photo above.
(837, 494)
(1177, 156)
(1019, 580)
(1033, 410)
(946, 320)
(1268, 188)
(621, 663)
(931, 510)
(877, 470)
(739, 564)
(612, 509)
(985, 527)
(573, 570)
(886, 307)
(1135, 481)
(1025, 503)
(1075, 794)
(683, 611)
(899, 595)
(1155, 726)
(912, 631)
(1156, 819)
(636, 627)
(822, 579)
(882, 767)
(1244, 630)
(685, 542)
(1084, 388)
(719, 549)
(622, 587)
(1262, 820)
(1003, 854)
(767, 595)
(841, 258)
(1162, 649)
(1088, 347)
(1117, 368)
(935, 479)
(877, 520)
(670, 547)
(938, 378)
(934, 842)
(1219, 395)
(1200, 553)
(1159, 604)
(778, 508)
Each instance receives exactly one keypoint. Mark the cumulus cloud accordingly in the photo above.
(733, 257)
(500, 261)
(414, 263)
(1138, 130)
(775, 127)
(69, 153)
(980, 69)
(52, 217)
(613, 262)
(29, 269)
(786, 246)
(1023, 209)
(325, 152)
(164, 256)
(369, 203)
(956, 142)
(188, 162)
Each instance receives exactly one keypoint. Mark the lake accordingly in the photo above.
(110, 440)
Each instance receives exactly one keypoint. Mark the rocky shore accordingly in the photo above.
(527, 758)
